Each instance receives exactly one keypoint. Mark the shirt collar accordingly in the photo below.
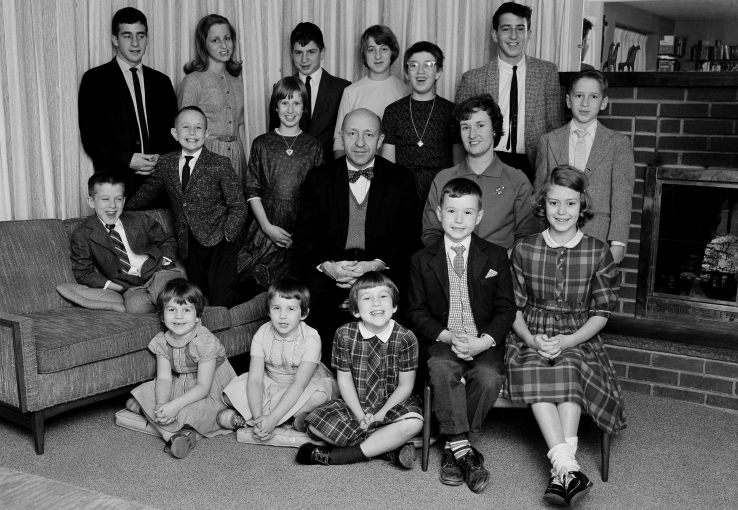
(448, 243)
(591, 129)
(117, 222)
(571, 244)
(508, 67)
(314, 78)
(355, 168)
(384, 336)
(195, 156)
(126, 67)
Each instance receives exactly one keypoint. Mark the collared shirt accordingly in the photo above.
(383, 336)
(360, 188)
(194, 159)
(451, 254)
(589, 137)
(505, 78)
(571, 243)
(314, 84)
(128, 75)
(136, 260)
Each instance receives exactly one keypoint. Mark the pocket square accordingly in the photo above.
(491, 273)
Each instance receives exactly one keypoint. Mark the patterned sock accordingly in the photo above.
(562, 459)
(573, 442)
(447, 446)
(460, 448)
(347, 455)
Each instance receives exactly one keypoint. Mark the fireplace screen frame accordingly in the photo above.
(650, 303)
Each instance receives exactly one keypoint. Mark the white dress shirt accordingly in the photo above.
(314, 84)
(128, 75)
(360, 188)
(182, 161)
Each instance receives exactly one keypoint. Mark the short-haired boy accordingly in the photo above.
(376, 360)
(604, 155)
(420, 131)
(461, 306)
(378, 50)
(207, 203)
(122, 251)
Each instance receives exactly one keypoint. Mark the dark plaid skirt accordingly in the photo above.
(336, 421)
(582, 374)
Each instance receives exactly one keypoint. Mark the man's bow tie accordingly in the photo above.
(353, 175)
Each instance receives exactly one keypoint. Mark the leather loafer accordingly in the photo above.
(403, 457)
(577, 486)
(475, 474)
(450, 471)
(181, 443)
(310, 454)
(556, 492)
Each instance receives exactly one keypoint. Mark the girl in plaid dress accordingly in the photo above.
(565, 287)
(376, 360)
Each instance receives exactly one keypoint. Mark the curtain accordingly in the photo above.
(628, 38)
(47, 45)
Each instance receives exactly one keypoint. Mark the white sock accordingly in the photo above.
(573, 442)
(562, 459)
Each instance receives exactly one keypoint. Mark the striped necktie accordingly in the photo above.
(120, 249)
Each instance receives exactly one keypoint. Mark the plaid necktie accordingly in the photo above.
(580, 150)
(120, 249)
(459, 260)
(353, 175)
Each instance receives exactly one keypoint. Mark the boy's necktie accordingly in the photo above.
(512, 138)
(120, 249)
(580, 150)
(307, 111)
(459, 260)
(141, 112)
(186, 172)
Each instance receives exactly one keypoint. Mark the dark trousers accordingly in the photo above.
(461, 407)
(213, 269)
(325, 314)
(519, 161)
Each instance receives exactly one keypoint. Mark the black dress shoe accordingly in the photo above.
(450, 471)
(475, 475)
(311, 454)
(556, 492)
(577, 486)
(403, 457)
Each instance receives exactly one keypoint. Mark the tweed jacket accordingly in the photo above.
(325, 111)
(611, 172)
(107, 118)
(543, 100)
(392, 228)
(489, 282)
(212, 207)
(95, 261)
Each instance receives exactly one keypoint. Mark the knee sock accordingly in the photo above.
(347, 455)
(460, 447)
(572, 442)
(562, 459)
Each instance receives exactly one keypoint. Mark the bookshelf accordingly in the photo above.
(714, 56)
(671, 49)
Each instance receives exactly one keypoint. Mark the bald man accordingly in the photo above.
(358, 214)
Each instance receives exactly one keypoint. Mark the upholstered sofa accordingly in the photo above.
(55, 355)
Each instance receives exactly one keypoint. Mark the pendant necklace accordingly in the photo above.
(289, 146)
(420, 136)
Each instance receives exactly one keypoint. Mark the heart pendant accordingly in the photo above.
(289, 152)
(420, 143)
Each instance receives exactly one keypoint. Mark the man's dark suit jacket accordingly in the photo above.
(95, 261)
(212, 207)
(323, 123)
(108, 124)
(392, 224)
(490, 291)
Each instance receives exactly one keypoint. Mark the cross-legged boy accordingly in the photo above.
(462, 307)
(376, 360)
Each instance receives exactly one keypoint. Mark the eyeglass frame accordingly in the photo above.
(428, 65)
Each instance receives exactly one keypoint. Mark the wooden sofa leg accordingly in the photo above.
(427, 405)
(38, 431)
(605, 445)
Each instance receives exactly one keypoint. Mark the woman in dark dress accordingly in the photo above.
(278, 163)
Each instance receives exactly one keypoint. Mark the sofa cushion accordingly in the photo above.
(34, 259)
(216, 318)
(94, 299)
(71, 337)
(254, 309)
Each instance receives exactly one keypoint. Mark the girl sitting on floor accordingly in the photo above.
(285, 376)
(565, 287)
(183, 402)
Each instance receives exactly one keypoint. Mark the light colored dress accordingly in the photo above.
(220, 97)
(184, 356)
(282, 358)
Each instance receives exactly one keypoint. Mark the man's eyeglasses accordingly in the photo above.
(427, 65)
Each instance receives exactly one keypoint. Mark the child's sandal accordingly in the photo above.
(181, 443)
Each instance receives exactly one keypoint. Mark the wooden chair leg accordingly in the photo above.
(427, 407)
(37, 431)
(605, 445)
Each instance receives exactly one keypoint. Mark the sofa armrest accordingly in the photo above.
(18, 362)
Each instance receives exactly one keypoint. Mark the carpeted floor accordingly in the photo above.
(672, 455)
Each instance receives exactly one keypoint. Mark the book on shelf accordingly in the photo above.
(672, 45)
(714, 50)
